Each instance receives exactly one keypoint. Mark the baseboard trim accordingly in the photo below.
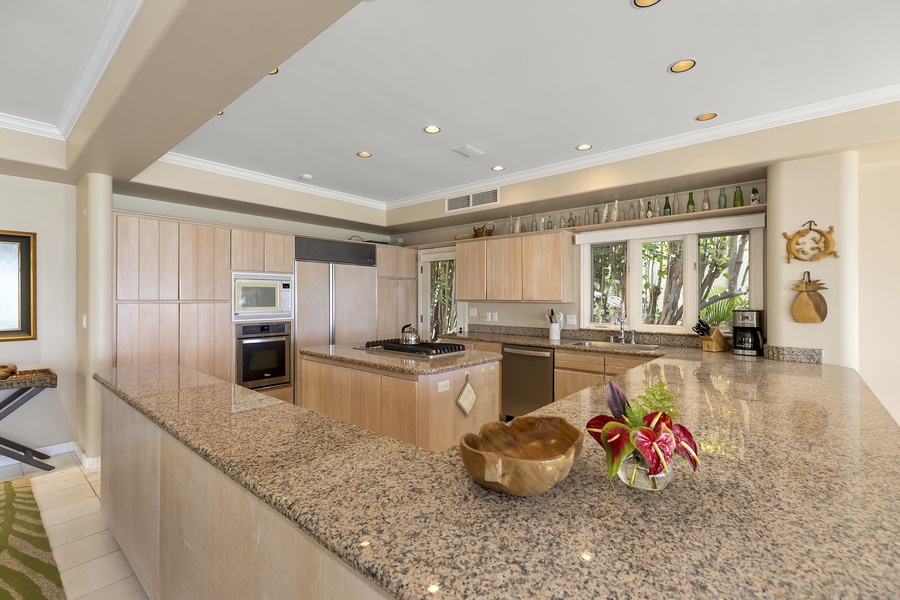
(88, 462)
(52, 450)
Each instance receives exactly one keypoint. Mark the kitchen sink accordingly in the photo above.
(614, 345)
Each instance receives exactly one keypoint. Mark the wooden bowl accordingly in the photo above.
(524, 457)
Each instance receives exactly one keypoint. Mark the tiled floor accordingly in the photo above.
(90, 562)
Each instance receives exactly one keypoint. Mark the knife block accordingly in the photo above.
(715, 341)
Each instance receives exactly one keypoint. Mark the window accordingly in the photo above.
(438, 294)
(18, 302)
(663, 277)
(724, 276)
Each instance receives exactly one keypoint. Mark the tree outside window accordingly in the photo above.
(724, 277)
(608, 268)
(662, 274)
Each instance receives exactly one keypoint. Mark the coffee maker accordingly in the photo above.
(747, 338)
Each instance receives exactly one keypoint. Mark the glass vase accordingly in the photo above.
(633, 473)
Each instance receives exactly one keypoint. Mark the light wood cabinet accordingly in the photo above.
(413, 409)
(146, 333)
(285, 393)
(394, 261)
(548, 267)
(260, 251)
(538, 267)
(206, 341)
(146, 258)
(388, 314)
(503, 258)
(204, 262)
(470, 270)
(574, 370)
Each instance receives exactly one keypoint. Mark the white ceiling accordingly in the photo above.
(525, 81)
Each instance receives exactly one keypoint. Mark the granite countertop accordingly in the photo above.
(400, 363)
(793, 498)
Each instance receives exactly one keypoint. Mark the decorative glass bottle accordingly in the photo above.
(648, 212)
(656, 207)
(549, 224)
(562, 220)
(631, 215)
(754, 196)
(667, 209)
(509, 228)
(690, 204)
(676, 204)
(738, 197)
(586, 219)
(705, 205)
(571, 221)
(723, 200)
(595, 218)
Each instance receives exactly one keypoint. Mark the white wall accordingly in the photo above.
(823, 189)
(47, 209)
(879, 283)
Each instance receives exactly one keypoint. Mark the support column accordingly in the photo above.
(94, 306)
(824, 189)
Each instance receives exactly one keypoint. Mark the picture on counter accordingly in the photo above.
(18, 299)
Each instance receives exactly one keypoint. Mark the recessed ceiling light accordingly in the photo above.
(644, 3)
(584, 147)
(432, 129)
(221, 112)
(274, 71)
(305, 176)
(682, 65)
(364, 154)
(706, 116)
(497, 168)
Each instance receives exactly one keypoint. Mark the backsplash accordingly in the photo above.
(662, 339)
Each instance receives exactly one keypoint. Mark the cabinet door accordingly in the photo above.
(398, 408)
(248, 250)
(407, 263)
(279, 253)
(204, 262)
(548, 267)
(407, 302)
(388, 313)
(146, 258)
(337, 392)
(470, 271)
(206, 339)
(386, 260)
(619, 363)
(567, 382)
(355, 315)
(146, 334)
(312, 385)
(365, 400)
(128, 257)
(503, 258)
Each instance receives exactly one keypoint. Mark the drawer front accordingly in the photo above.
(579, 361)
(619, 364)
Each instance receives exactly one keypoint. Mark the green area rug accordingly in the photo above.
(27, 568)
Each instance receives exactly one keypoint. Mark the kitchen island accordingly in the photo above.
(409, 398)
(794, 496)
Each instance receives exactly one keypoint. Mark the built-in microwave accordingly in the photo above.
(262, 296)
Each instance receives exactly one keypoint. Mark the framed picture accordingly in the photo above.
(18, 286)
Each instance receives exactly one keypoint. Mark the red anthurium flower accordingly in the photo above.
(654, 419)
(616, 440)
(657, 450)
(596, 424)
(685, 445)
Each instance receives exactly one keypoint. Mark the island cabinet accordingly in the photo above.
(575, 370)
(397, 288)
(535, 267)
(417, 408)
(261, 251)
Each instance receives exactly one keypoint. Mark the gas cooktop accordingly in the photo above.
(421, 349)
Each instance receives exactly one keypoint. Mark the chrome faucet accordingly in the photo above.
(621, 322)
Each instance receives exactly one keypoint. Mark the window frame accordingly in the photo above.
(689, 232)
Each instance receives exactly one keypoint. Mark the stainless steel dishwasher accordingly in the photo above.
(527, 379)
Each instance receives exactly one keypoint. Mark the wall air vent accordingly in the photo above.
(471, 201)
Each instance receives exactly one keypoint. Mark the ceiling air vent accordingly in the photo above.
(471, 201)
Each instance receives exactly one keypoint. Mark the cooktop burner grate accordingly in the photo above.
(422, 348)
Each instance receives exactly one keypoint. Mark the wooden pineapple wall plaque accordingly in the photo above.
(809, 306)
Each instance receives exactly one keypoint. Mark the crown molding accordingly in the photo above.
(787, 117)
(247, 175)
(28, 126)
(115, 25)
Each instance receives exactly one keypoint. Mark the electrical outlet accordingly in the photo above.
(444, 386)
(473, 312)
(570, 320)
(494, 317)
(487, 317)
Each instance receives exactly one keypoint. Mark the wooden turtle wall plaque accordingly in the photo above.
(811, 244)
(809, 306)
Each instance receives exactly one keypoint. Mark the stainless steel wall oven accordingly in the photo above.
(263, 354)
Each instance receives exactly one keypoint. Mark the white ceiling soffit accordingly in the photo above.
(59, 50)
